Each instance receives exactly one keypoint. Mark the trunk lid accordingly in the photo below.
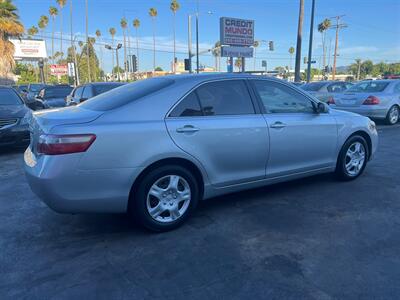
(351, 99)
(43, 121)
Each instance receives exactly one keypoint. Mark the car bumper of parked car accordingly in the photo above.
(373, 112)
(15, 135)
(58, 182)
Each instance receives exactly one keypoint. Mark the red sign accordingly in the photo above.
(58, 70)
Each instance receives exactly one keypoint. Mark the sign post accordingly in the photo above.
(237, 38)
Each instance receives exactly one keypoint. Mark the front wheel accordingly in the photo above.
(393, 115)
(352, 158)
(165, 198)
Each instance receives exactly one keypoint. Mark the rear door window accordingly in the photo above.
(226, 97)
(188, 107)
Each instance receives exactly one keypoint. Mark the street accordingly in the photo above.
(314, 238)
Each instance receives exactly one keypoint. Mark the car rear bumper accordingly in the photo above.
(59, 183)
(15, 135)
(370, 111)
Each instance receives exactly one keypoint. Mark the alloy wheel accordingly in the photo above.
(168, 198)
(355, 158)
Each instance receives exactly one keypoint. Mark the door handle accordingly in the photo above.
(278, 125)
(187, 128)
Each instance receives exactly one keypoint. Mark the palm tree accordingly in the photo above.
(112, 31)
(10, 26)
(238, 63)
(42, 24)
(255, 45)
(174, 8)
(358, 63)
(136, 24)
(61, 4)
(98, 35)
(153, 14)
(33, 31)
(291, 52)
(322, 28)
(53, 13)
(124, 24)
(216, 52)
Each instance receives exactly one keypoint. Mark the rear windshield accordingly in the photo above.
(126, 94)
(368, 86)
(102, 88)
(60, 92)
(9, 97)
(313, 86)
(35, 87)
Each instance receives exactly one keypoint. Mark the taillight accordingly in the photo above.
(331, 100)
(372, 100)
(54, 144)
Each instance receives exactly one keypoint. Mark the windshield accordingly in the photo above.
(60, 92)
(126, 94)
(9, 97)
(102, 88)
(368, 86)
(35, 87)
(313, 86)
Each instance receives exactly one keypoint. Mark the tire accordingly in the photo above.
(393, 114)
(170, 208)
(345, 170)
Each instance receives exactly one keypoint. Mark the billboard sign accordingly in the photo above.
(236, 32)
(58, 70)
(228, 51)
(29, 49)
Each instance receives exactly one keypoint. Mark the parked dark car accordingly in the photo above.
(14, 118)
(87, 91)
(54, 96)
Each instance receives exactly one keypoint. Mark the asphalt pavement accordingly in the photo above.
(314, 238)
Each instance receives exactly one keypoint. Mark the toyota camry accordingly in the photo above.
(156, 147)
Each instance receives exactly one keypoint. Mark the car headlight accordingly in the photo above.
(372, 125)
(26, 119)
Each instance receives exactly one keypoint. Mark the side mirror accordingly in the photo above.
(320, 108)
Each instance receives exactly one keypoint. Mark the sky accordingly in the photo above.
(373, 30)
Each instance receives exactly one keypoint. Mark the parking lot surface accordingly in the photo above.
(310, 238)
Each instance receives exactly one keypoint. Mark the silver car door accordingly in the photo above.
(217, 124)
(300, 139)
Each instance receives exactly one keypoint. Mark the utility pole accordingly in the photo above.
(76, 79)
(338, 26)
(298, 46)
(197, 36)
(310, 42)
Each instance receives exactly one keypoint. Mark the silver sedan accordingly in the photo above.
(377, 99)
(156, 147)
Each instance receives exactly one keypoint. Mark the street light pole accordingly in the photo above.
(197, 36)
(310, 42)
(190, 42)
(116, 54)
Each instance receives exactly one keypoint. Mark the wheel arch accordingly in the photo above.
(183, 162)
(367, 138)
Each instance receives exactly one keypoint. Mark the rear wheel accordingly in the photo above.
(352, 158)
(393, 115)
(165, 198)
